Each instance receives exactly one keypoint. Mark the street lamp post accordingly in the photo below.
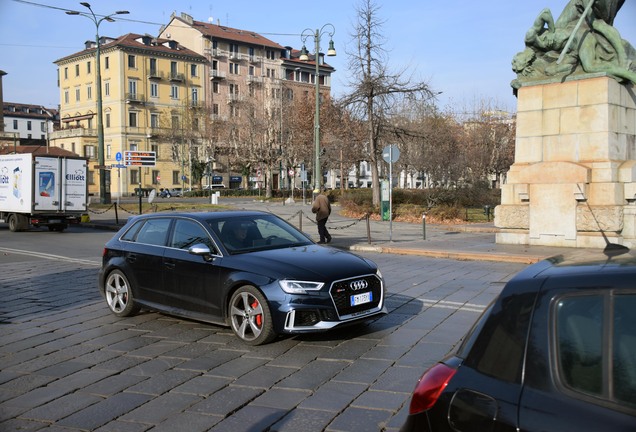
(103, 197)
(317, 34)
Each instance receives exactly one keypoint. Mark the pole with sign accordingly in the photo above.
(391, 154)
(140, 159)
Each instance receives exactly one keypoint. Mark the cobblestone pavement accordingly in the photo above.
(67, 364)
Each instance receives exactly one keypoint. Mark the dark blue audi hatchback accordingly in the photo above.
(555, 352)
(251, 271)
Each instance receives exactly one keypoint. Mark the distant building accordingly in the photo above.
(29, 122)
(150, 88)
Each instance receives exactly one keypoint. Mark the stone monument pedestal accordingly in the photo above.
(573, 182)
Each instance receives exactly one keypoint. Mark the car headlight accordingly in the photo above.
(299, 287)
(379, 274)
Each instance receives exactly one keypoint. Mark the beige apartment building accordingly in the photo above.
(191, 95)
(150, 86)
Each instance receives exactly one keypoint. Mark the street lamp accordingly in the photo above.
(304, 56)
(100, 125)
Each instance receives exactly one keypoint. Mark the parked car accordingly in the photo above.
(556, 351)
(167, 193)
(251, 271)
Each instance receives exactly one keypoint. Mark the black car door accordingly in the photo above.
(144, 255)
(581, 369)
(191, 283)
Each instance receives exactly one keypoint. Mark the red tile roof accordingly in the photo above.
(36, 150)
(228, 33)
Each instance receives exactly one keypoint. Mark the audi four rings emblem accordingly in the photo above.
(358, 285)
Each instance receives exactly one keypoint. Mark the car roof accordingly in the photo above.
(205, 215)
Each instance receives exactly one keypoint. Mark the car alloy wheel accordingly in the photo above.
(119, 294)
(250, 316)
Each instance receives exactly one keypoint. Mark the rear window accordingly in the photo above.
(596, 345)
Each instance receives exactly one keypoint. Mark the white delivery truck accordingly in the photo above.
(39, 191)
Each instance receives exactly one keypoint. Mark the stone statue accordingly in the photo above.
(582, 40)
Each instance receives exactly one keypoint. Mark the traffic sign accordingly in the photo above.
(100, 167)
(140, 158)
(391, 153)
(118, 156)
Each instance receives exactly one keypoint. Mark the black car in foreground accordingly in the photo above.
(555, 352)
(251, 271)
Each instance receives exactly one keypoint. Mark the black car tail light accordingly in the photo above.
(430, 387)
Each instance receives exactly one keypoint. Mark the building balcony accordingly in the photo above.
(234, 98)
(236, 56)
(253, 79)
(135, 98)
(217, 74)
(177, 77)
(73, 132)
(253, 58)
(214, 52)
(155, 74)
(196, 104)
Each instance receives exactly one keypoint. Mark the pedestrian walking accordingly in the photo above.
(322, 209)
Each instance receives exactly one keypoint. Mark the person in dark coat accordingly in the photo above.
(322, 209)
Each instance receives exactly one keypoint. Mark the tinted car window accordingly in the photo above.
(592, 359)
(625, 349)
(580, 351)
(153, 232)
(187, 233)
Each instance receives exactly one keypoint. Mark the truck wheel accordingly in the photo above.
(13, 223)
(18, 223)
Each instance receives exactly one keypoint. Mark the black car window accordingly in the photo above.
(624, 355)
(596, 345)
(153, 232)
(187, 233)
(579, 322)
(132, 231)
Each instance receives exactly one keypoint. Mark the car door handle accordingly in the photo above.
(170, 265)
(131, 258)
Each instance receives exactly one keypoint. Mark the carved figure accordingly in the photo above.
(581, 40)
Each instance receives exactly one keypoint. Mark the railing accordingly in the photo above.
(73, 132)
(135, 97)
(155, 74)
(214, 73)
(232, 98)
(176, 76)
(254, 79)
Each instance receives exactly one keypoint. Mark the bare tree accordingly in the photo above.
(375, 89)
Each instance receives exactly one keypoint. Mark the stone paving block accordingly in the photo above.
(98, 414)
(314, 374)
(383, 400)
(23, 425)
(63, 369)
(156, 348)
(121, 363)
(153, 367)
(81, 379)
(61, 407)
(282, 398)
(425, 354)
(298, 356)
(356, 419)
(250, 419)
(226, 401)
(162, 382)
(113, 385)
(264, 376)
(98, 356)
(32, 399)
(161, 408)
(237, 367)
(202, 385)
(350, 349)
(24, 384)
(118, 426)
(187, 422)
(189, 351)
(363, 371)
(333, 396)
(305, 420)
(398, 379)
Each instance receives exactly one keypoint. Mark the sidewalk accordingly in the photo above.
(461, 242)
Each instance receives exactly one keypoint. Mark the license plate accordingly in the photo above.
(55, 220)
(359, 299)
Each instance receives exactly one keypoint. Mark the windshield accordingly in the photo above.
(241, 234)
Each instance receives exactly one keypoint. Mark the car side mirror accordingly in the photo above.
(201, 250)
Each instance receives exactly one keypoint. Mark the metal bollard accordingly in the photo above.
(300, 220)
(368, 229)
(424, 226)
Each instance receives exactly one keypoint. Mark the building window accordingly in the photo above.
(43, 126)
(154, 120)
(133, 146)
(153, 66)
(106, 63)
(154, 90)
(91, 177)
(195, 96)
(193, 70)
(132, 61)
(89, 151)
(108, 151)
(132, 88)
(155, 177)
(251, 71)
(76, 70)
(89, 92)
(175, 122)
(77, 94)
(88, 67)
(234, 68)
(90, 123)
(28, 124)
(174, 92)
(134, 176)
(271, 55)
(132, 119)
(234, 50)
(215, 87)
(107, 120)
(155, 148)
(175, 177)
(173, 68)
(215, 109)
(107, 88)
(65, 73)
(66, 96)
(15, 124)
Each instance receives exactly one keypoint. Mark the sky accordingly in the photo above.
(461, 48)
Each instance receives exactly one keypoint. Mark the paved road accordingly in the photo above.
(68, 364)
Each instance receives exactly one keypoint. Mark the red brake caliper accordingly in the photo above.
(259, 318)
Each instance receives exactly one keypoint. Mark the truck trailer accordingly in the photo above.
(37, 191)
